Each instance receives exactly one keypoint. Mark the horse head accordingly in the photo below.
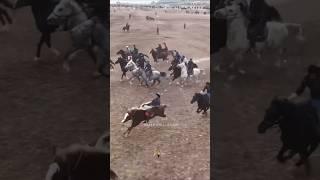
(232, 11)
(64, 10)
(195, 98)
(273, 114)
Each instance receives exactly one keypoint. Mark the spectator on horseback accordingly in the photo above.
(311, 81)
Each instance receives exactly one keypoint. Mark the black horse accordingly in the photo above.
(176, 71)
(203, 101)
(122, 62)
(41, 9)
(219, 29)
(298, 124)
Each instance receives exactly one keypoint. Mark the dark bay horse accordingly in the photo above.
(162, 55)
(299, 128)
(203, 102)
(126, 28)
(122, 62)
(41, 9)
(137, 115)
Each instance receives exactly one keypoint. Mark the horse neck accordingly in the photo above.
(78, 17)
(237, 30)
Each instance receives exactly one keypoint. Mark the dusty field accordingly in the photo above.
(41, 106)
(240, 152)
(184, 142)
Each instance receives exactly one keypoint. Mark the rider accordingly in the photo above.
(312, 81)
(154, 103)
(258, 11)
(207, 88)
(159, 49)
(148, 69)
(190, 67)
(178, 56)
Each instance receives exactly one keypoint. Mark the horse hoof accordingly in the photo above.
(36, 58)
(55, 52)
(66, 67)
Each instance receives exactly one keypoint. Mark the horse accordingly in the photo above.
(148, 18)
(81, 162)
(161, 55)
(126, 28)
(237, 41)
(137, 115)
(184, 72)
(203, 102)
(86, 34)
(41, 9)
(297, 123)
(123, 54)
(136, 72)
(122, 62)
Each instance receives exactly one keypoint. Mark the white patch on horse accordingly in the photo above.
(125, 117)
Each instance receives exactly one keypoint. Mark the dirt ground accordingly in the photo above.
(182, 137)
(240, 152)
(41, 106)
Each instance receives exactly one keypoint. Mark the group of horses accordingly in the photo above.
(298, 122)
(136, 67)
(87, 31)
(231, 32)
(139, 114)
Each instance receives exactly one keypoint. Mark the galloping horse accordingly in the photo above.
(126, 28)
(86, 34)
(137, 115)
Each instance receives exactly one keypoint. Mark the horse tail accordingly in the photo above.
(163, 74)
(299, 35)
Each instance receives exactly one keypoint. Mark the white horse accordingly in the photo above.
(138, 72)
(237, 25)
(184, 73)
(86, 34)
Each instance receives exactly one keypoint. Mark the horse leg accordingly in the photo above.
(280, 156)
(69, 57)
(42, 39)
(303, 157)
(47, 39)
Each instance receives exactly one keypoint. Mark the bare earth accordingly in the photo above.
(240, 152)
(41, 106)
(182, 137)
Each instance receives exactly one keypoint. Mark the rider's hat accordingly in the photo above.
(158, 94)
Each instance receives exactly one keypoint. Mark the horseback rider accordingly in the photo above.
(159, 49)
(258, 17)
(177, 56)
(165, 47)
(190, 67)
(135, 50)
(154, 103)
(182, 59)
(207, 88)
(312, 81)
(148, 69)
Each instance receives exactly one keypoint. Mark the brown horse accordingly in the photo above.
(137, 115)
(162, 55)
